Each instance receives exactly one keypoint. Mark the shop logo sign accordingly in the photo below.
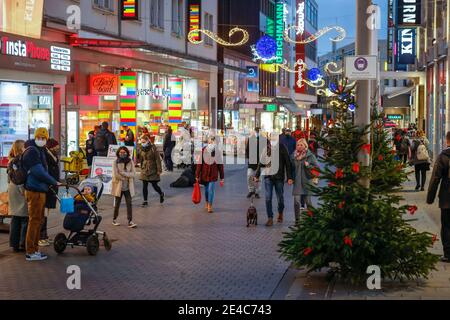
(104, 84)
(25, 49)
(406, 46)
(409, 12)
(361, 64)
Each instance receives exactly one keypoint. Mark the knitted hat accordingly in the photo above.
(41, 133)
(51, 143)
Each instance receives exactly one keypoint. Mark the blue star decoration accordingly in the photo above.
(266, 47)
(314, 74)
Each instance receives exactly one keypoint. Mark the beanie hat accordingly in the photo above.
(41, 133)
(51, 143)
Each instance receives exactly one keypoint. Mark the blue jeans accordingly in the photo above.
(210, 188)
(279, 190)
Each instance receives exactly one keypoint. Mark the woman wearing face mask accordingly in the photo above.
(208, 171)
(123, 184)
(52, 156)
(90, 150)
(151, 168)
(303, 162)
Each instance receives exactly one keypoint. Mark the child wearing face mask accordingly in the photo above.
(123, 184)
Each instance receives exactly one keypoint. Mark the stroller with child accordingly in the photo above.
(82, 224)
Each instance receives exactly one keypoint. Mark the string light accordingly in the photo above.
(194, 33)
(335, 67)
(318, 84)
(317, 35)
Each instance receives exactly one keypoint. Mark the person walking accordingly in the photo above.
(441, 176)
(36, 187)
(103, 139)
(208, 171)
(313, 145)
(272, 179)
(402, 145)
(420, 159)
(123, 184)
(151, 169)
(303, 162)
(129, 136)
(52, 151)
(288, 141)
(90, 149)
(168, 145)
(253, 151)
(17, 205)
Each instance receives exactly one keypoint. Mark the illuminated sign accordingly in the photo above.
(395, 117)
(194, 18)
(408, 12)
(279, 24)
(300, 17)
(156, 92)
(104, 84)
(60, 58)
(26, 49)
(273, 68)
(271, 107)
(129, 9)
(252, 72)
(406, 46)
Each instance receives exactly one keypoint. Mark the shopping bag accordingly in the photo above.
(67, 204)
(196, 194)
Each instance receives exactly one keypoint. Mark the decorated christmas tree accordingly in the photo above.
(353, 226)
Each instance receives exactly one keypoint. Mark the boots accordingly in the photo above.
(280, 218)
(207, 205)
(269, 222)
(210, 209)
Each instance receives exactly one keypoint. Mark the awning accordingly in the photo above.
(251, 105)
(291, 106)
(400, 92)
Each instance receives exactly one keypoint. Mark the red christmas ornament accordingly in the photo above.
(341, 204)
(307, 251)
(434, 239)
(315, 172)
(380, 157)
(393, 152)
(310, 213)
(348, 241)
(339, 173)
(366, 148)
(412, 209)
(355, 167)
(331, 184)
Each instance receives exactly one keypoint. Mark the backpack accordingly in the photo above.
(17, 173)
(100, 142)
(422, 152)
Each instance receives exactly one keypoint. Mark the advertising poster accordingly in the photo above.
(103, 166)
(112, 150)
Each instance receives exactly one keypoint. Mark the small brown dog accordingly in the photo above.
(252, 215)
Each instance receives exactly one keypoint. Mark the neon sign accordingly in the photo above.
(129, 9)
(300, 18)
(194, 19)
(279, 31)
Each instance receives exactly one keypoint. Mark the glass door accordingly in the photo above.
(72, 131)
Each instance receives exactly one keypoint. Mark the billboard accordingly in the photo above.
(408, 12)
(21, 17)
(406, 46)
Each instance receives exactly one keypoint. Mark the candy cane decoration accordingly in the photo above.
(317, 35)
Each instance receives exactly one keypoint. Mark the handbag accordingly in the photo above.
(67, 204)
(196, 194)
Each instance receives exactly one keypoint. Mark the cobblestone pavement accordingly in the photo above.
(314, 287)
(178, 251)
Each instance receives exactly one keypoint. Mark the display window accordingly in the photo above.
(88, 121)
(267, 119)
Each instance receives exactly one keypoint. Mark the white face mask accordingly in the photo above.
(41, 143)
(273, 143)
(210, 147)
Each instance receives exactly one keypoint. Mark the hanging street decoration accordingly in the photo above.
(317, 35)
(335, 69)
(265, 49)
(192, 35)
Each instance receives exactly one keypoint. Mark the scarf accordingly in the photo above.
(124, 161)
(300, 155)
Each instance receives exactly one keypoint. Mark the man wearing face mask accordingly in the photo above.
(36, 186)
(253, 149)
(90, 150)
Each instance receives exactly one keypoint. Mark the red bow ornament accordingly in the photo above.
(341, 204)
(355, 167)
(307, 251)
(366, 148)
(380, 157)
(310, 213)
(434, 239)
(339, 173)
(315, 172)
(412, 209)
(348, 241)
(331, 184)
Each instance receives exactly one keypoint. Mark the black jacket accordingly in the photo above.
(440, 176)
(168, 143)
(285, 164)
(255, 143)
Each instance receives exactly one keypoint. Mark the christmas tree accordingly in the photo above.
(354, 226)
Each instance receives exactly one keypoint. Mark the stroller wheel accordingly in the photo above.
(92, 244)
(60, 243)
(106, 242)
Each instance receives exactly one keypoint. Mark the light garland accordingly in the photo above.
(194, 33)
(335, 67)
(317, 35)
(318, 84)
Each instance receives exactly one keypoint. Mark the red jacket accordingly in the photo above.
(208, 172)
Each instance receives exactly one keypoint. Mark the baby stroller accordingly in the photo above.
(85, 215)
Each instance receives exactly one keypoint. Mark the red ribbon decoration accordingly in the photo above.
(339, 173)
(412, 209)
(355, 167)
(366, 148)
(341, 204)
(380, 157)
(315, 172)
(307, 251)
(310, 213)
(348, 241)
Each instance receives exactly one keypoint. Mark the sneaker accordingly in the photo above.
(257, 196)
(43, 243)
(161, 197)
(115, 223)
(249, 195)
(37, 256)
(144, 204)
(131, 224)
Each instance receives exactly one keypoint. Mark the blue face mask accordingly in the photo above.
(123, 156)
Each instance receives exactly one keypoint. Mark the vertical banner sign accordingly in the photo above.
(175, 102)
(406, 46)
(129, 9)
(279, 25)
(408, 12)
(128, 83)
(300, 48)
(194, 17)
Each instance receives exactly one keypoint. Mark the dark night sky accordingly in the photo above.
(342, 13)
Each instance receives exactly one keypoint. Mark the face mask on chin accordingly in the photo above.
(40, 143)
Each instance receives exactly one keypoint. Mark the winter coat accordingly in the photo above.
(168, 144)
(17, 205)
(35, 162)
(108, 139)
(302, 174)
(440, 176)
(415, 144)
(122, 173)
(53, 170)
(284, 164)
(257, 145)
(398, 144)
(90, 151)
(289, 142)
(209, 172)
(129, 138)
(150, 161)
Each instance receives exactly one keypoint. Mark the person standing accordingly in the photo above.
(303, 162)
(208, 171)
(168, 145)
(151, 169)
(123, 184)
(253, 150)
(288, 141)
(52, 156)
(103, 139)
(402, 146)
(441, 176)
(313, 145)
(90, 150)
(36, 188)
(129, 136)
(298, 133)
(420, 159)
(17, 205)
(272, 179)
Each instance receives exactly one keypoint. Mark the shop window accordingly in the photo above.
(177, 17)
(208, 21)
(104, 4)
(157, 14)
